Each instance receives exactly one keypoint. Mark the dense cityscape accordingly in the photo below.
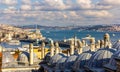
(42, 55)
(59, 35)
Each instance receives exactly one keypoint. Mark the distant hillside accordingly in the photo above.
(115, 28)
(42, 27)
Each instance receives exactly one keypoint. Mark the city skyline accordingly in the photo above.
(59, 12)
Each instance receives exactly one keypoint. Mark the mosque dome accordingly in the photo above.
(60, 63)
(54, 59)
(25, 56)
(70, 61)
(112, 63)
(47, 57)
(100, 58)
(117, 45)
(82, 60)
(86, 48)
(8, 60)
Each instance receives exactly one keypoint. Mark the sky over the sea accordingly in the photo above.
(59, 12)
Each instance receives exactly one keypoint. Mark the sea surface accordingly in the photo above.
(66, 34)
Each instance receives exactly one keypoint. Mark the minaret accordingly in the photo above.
(52, 49)
(43, 50)
(72, 47)
(101, 43)
(92, 44)
(31, 53)
(56, 48)
(106, 40)
(79, 47)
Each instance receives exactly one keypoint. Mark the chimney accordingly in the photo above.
(52, 49)
(98, 44)
(72, 47)
(68, 53)
(92, 44)
(83, 43)
(43, 50)
(101, 43)
(106, 40)
(31, 53)
(56, 48)
(1, 49)
(79, 47)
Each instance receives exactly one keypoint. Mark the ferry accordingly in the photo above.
(14, 42)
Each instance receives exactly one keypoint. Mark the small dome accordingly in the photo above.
(100, 58)
(47, 57)
(86, 48)
(25, 56)
(112, 62)
(55, 58)
(7, 60)
(60, 63)
(82, 60)
(70, 61)
(117, 45)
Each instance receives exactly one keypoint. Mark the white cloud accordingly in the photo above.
(110, 2)
(56, 4)
(26, 7)
(8, 2)
(67, 12)
(84, 3)
(99, 14)
(26, 1)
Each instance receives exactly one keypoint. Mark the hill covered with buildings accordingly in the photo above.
(113, 28)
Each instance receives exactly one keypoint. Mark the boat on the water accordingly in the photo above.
(14, 42)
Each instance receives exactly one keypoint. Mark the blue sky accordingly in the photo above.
(59, 12)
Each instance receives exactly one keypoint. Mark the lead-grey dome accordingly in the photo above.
(100, 58)
(60, 63)
(86, 48)
(25, 56)
(117, 45)
(54, 59)
(70, 61)
(82, 60)
(8, 60)
(47, 58)
(112, 62)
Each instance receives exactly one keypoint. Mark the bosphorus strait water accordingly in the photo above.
(65, 34)
(58, 35)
